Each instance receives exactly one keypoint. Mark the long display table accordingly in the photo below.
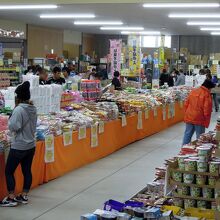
(80, 153)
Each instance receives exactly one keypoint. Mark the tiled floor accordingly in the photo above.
(119, 176)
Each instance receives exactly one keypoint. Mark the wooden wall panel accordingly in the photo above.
(72, 49)
(88, 43)
(41, 40)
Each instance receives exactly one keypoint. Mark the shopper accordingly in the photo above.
(72, 69)
(164, 77)
(198, 109)
(22, 124)
(66, 74)
(116, 82)
(180, 79)
(43, 76)
(56, 79)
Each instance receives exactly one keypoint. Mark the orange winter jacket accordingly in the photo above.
(198, 107)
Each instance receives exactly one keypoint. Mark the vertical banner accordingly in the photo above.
(134, 55)
(156, 72)
(115, 53)
(49, 149)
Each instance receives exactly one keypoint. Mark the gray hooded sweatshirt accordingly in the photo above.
(22, 124)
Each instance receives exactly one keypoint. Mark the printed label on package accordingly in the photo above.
(140, 121)
(49, 149)
(67, 138)
(82, 132)
(146, 113)
(123, 121)
(101, 127)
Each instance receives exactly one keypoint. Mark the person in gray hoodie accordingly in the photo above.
(22, 125)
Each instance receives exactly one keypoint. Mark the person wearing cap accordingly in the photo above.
(198, 110)
(22, 124)
(56, 78)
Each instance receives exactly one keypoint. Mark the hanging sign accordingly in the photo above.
(123, 121)
(134, 54)
(146, 113)
(155, 111)
(164, 112)
(67, 138)
(115, 53)
(140, 121)
(82, 132)
(101, 127)
(94, 135)
(181, 104)
(49, 149)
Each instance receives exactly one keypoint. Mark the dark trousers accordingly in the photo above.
(15, 158)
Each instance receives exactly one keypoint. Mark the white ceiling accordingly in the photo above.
(130, 14)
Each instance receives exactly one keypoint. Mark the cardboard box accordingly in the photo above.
(217, 56)
(184, 51)
(168, 53)
(195, 59)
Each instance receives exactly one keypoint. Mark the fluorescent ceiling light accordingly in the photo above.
(98, 23)
(123, 28)
(141, 32)
(20, 7)
(204, 23)
(210, 29)
(215, 33)
(194, 15)
(181, 5)
(67, 16)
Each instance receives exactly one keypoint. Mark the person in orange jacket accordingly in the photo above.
(198, 110)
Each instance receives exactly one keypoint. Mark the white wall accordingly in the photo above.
(13, 25)
(72, 37)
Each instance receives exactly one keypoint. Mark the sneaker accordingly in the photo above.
(7, 202)
(21, 199)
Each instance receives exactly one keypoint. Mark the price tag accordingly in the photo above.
(82, 132)
(140, 121)
(169, 112)
(101, 127)
(49, 149)
(67, 138)
(94, 135)
(9, 61)
(181, 103)
(174, 110)
(164, 113)
(94, 141)
(146, 113)
(123, 121)
(155, 111)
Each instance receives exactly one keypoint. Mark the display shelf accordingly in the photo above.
(9, 69)
(195, 172)
(193, 198)
(172, 182)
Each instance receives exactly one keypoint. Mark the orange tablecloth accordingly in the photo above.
(114, 138)
(80, 152)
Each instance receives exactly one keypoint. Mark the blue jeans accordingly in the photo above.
(190, 129)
